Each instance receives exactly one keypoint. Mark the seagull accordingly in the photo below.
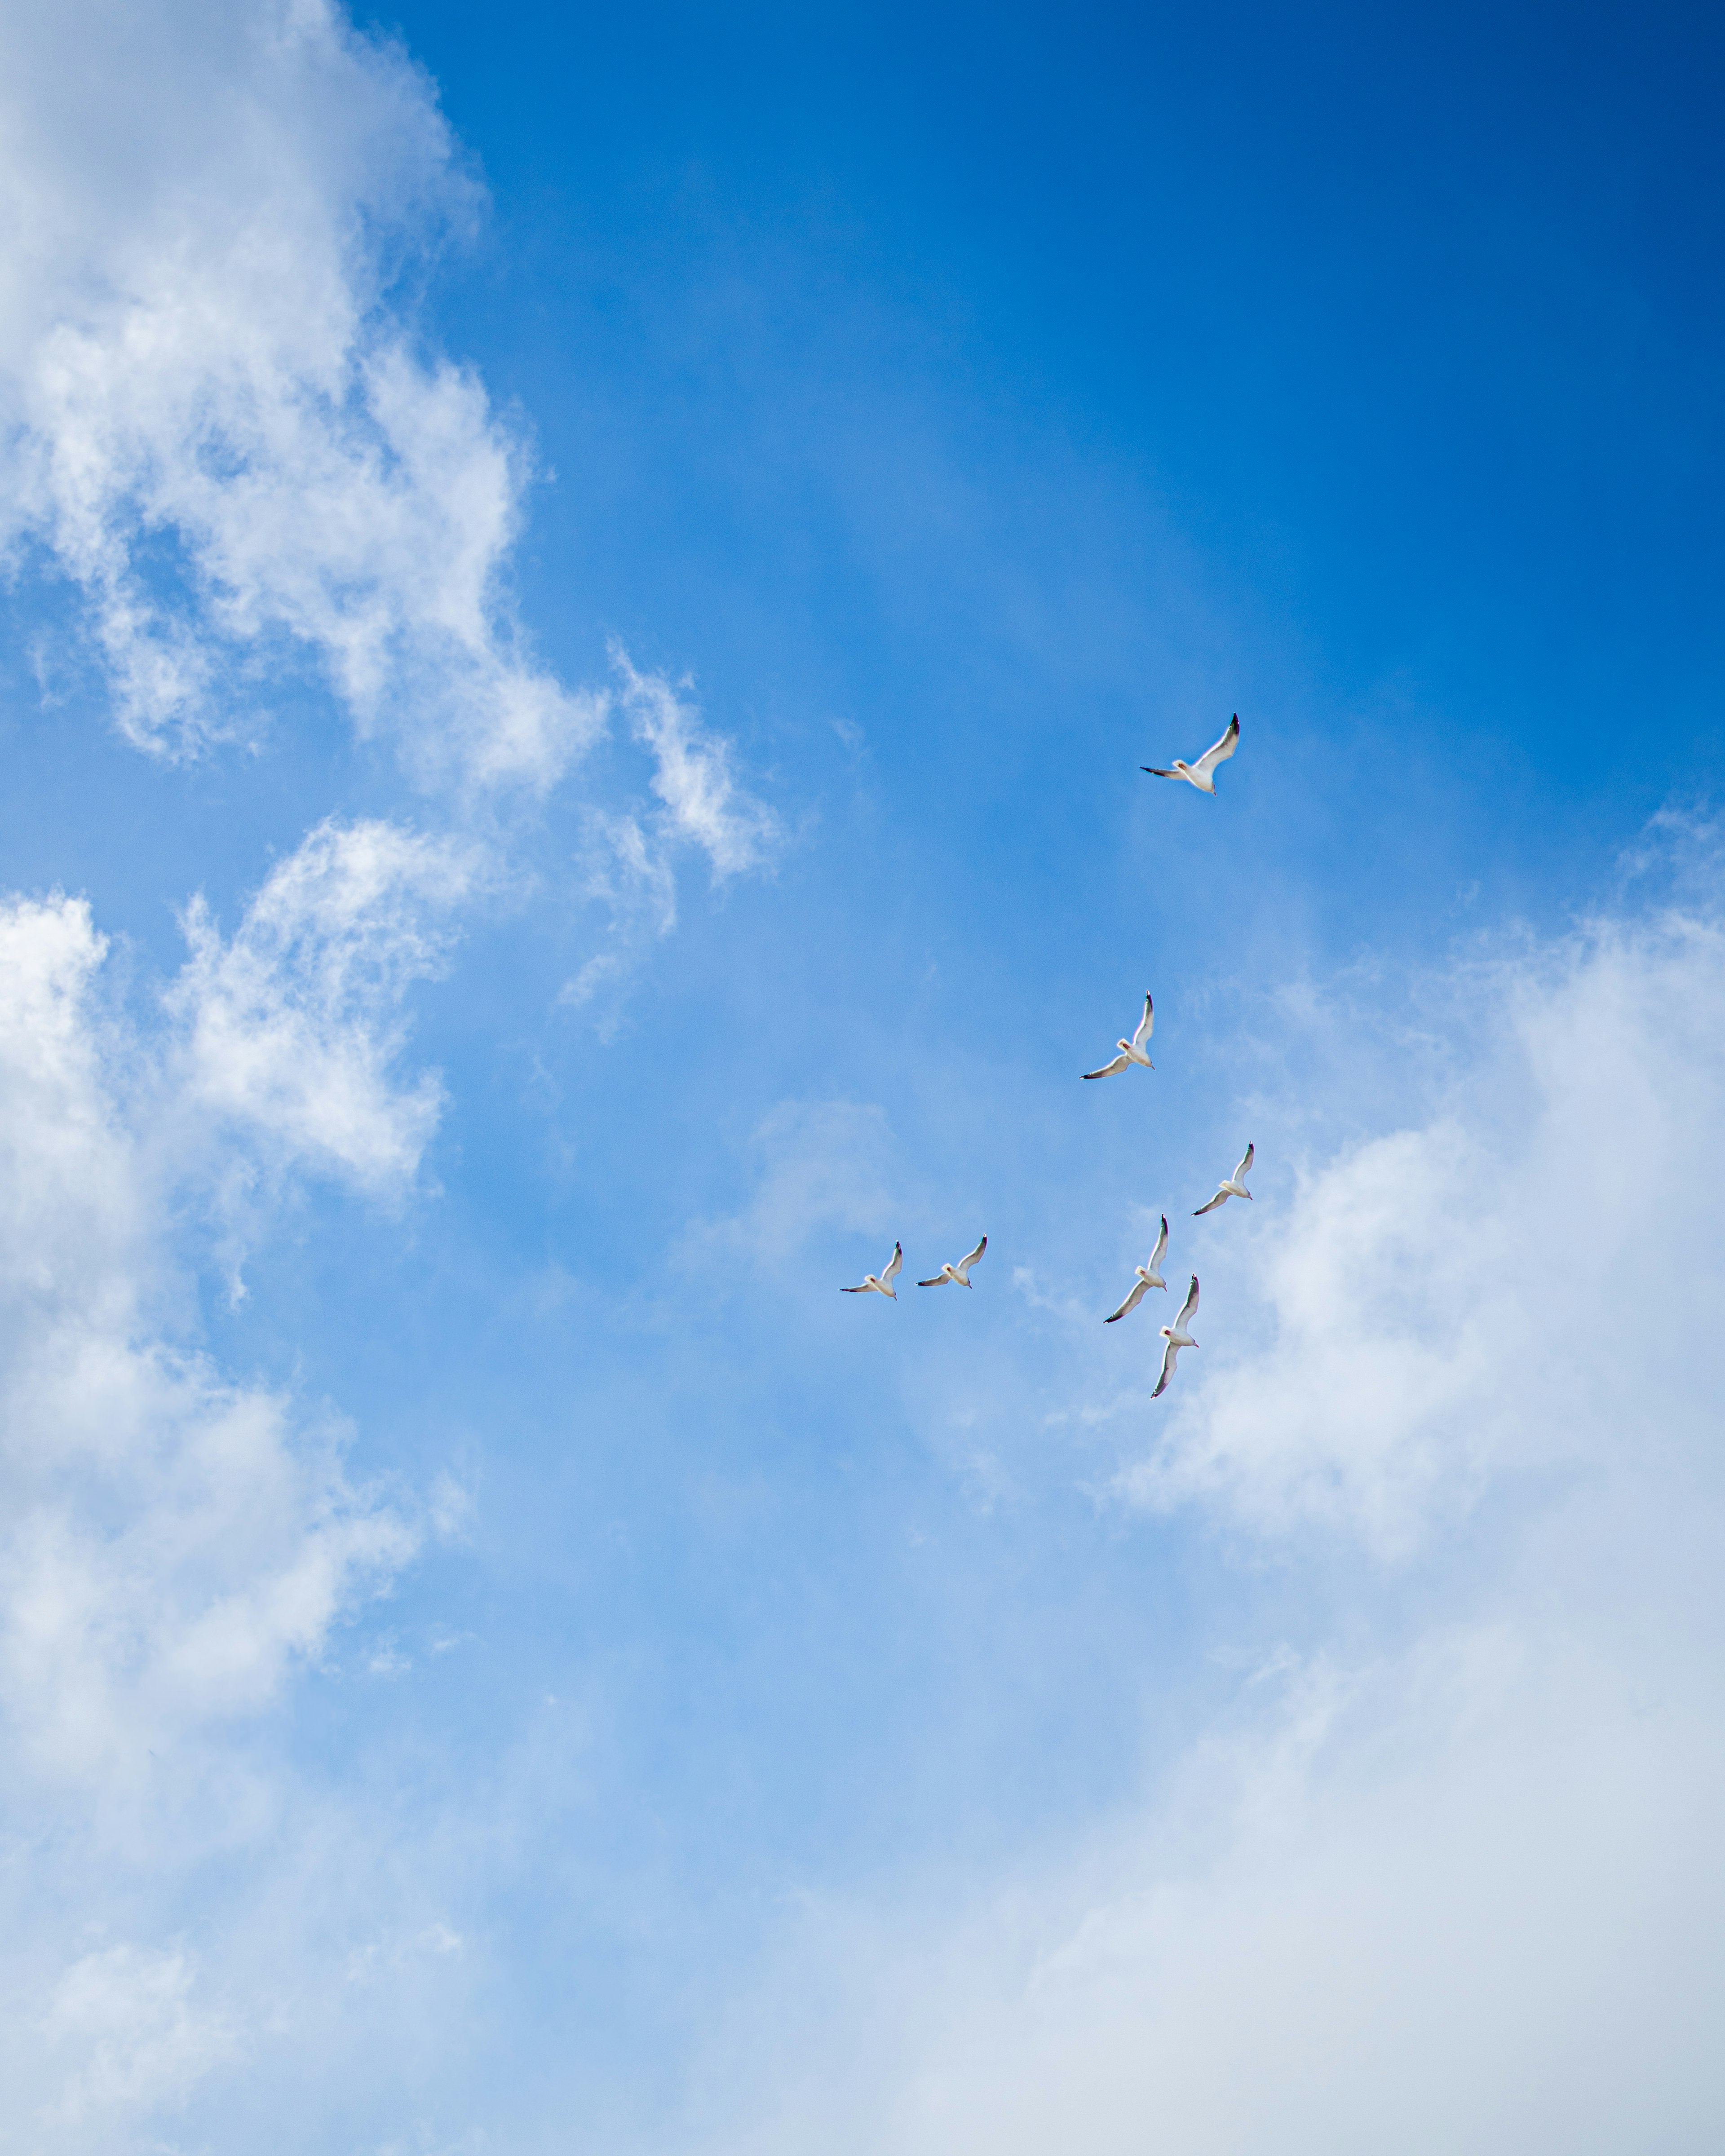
(1132, 1050)
(1147, 1277)
(883, 1284)
(1202, 774)
(1177, 1338)
(960, 1272)
(1234, 1187)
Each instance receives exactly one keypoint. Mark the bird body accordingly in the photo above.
(1177, 1338)
(960, 1273)
(1147, 1276)
(1133, 1050)
(1202, 774)
(881, 1283)
(1233, 1186)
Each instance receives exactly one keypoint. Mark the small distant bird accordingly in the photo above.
(1202, 774)
(1148, 1275)
(881, 1285)
(1177, 1338)
(1131, 1051)
(1234, 1187)
(960, 1272)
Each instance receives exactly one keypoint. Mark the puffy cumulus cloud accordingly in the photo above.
(1445, 1874)
(1509, 1288)
(1467, 1898)
(215, 417)
(290, 1028)
(171, 1542)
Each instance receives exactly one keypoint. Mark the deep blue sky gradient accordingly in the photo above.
(980, 404)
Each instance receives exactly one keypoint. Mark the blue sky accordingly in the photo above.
(586, 596)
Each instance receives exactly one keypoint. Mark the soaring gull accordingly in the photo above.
(1148, 1275)
(882, 1284)
(1234, 1187)
(1202, 774)
(1131, 1051)
(1177, 1338)
(960, 1272)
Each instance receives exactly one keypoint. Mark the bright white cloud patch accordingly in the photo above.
(290, 1028)
(1523, 1285)
(214, 419)
(171, 1542)
(1448, 1875)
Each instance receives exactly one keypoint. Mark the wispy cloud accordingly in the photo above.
(173, 1541)
(144, 2042)
(1504, 1290)
(704, 805)
(629, 862)
(216, 422)
(1468, 1819)
(290, 1027)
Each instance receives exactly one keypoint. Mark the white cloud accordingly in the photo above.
(627, 862)
(1447, 1876)
(170, 1542)
(1505, 1290)
(129, 2015)
(217, 418)
(703, 804)
(291, 1027)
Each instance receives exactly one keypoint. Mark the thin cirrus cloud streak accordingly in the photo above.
(1460, 1886)
(628, 860)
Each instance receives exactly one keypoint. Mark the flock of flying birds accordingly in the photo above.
(1202, 775)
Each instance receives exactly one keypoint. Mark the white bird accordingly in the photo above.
(960, 1272)
(1131, 1051)
(1202, 774)
(881, 1285)
(1234, 1187)
(1148, 1277)
(1177, 1338)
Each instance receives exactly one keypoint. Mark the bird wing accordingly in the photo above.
(1155, 774)
(1221, 749)
(1170, 1356)
(1155, 1263)
(1108, 1070)
(1146, 1024)
(1239, 1173)
(1131, 1302)
(1220, 1198)
(889, 1270)
(939, 1281)
(970, 1257)
(863, 1289)
(1188, 1306)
